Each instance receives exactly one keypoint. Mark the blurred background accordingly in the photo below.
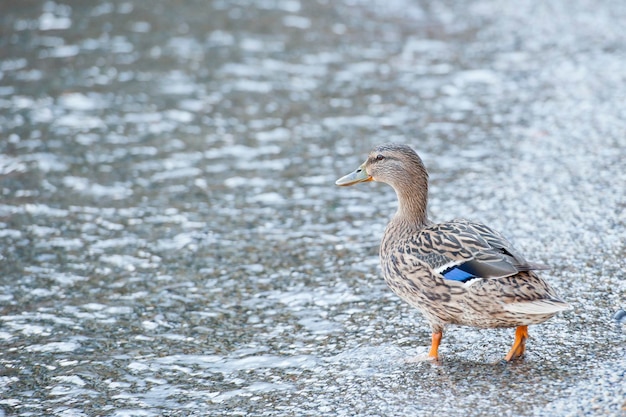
(172, 241)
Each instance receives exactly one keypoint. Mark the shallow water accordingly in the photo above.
(172, 242)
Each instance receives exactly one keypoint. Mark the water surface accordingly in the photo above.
(172, 242)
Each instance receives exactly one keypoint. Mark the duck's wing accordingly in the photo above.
(461, 251)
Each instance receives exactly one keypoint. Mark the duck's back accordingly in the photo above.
(465, 273)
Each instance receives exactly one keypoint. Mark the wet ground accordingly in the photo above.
(172, 241)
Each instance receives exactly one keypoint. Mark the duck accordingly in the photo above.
(457, 272)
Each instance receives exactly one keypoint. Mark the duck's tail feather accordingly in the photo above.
(546, 306)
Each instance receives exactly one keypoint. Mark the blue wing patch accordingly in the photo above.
(457, 274)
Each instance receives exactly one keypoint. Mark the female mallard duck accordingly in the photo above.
(458, 272)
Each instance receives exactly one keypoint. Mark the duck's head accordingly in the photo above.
(394, 164)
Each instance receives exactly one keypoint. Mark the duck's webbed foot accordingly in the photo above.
(434, 345)
(519, 346)
(433, 355)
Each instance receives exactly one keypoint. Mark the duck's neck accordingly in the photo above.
(411, 216)
(412, 206)
(407, 222)
(412, 202)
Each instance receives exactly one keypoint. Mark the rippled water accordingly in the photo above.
(172, 242)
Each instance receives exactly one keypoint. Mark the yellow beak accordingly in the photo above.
(360, 175)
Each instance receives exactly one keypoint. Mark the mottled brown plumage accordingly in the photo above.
(457, 272)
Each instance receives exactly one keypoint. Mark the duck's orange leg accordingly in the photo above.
(434, 346)
(519, 346)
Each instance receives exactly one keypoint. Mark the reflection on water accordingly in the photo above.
(172, 242)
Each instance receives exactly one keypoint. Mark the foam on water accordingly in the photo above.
(49, 21)
(54, 347)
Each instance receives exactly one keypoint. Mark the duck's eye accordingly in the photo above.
(380, 157)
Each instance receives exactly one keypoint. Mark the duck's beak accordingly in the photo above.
(360, 175)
